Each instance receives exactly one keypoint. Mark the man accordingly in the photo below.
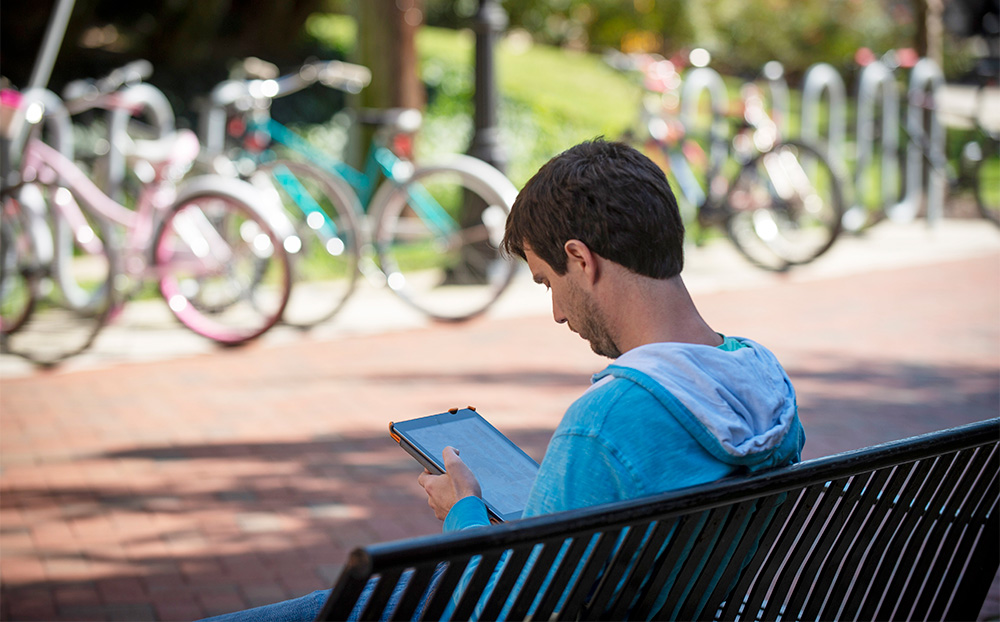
(681, 404)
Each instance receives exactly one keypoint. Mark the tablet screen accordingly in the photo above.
(504, 471)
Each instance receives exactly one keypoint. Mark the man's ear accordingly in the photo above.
(580, 258)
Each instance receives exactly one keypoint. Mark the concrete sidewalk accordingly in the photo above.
(158, 478)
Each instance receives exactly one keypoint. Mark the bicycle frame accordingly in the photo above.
(380, 162)
(46, 165)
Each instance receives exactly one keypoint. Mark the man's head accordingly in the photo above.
(607, 195)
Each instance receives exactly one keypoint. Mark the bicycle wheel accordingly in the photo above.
(987, 178)
(18, 268)
(222, 267)
(438, 237)
(785, 207)
(325, 264)
(74, 247)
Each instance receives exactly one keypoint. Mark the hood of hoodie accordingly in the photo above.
(736, 400)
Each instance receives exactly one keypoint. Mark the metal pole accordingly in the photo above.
(490, 20)
(47, 54)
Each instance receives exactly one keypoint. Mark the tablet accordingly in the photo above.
(504, 471)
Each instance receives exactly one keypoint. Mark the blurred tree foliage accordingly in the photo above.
(741, 35)
(191, 43)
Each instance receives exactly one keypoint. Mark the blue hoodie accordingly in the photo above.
(663, 416)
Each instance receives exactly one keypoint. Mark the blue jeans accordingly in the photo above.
(306, 608)
(301, 609)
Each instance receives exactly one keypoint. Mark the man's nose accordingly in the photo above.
(557, 313)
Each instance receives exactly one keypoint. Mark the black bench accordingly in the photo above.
(904, 530)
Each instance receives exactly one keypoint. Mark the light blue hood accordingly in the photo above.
(736, 400)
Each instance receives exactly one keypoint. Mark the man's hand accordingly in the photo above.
(444, 491)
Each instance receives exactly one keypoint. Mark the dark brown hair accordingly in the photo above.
(607, 195)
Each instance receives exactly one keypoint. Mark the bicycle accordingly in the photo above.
(215, 253)
(779, 201)
(930, 179)
(980, 157)
(134, 109)
(431, 233)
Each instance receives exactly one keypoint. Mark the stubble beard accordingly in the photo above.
(591, 324)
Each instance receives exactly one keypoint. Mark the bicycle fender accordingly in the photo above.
(241, 191)
(493, 180)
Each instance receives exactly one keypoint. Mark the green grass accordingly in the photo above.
(551, 99)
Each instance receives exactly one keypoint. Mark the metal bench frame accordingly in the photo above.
(904, 530)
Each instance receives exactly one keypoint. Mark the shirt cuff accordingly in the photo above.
(468, 512)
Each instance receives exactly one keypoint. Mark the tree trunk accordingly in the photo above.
(930, 29)
(387, 45)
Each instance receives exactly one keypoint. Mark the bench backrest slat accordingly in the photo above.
(864, 519)
(905, 530)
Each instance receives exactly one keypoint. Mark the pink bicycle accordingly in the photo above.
(70, 255)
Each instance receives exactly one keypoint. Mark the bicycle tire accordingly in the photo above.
(986, 175)
(18, 274)
(785, 206)
(221, 263)
(442, 255)
(325, 265)
(62, 324)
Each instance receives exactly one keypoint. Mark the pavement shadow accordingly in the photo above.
(849, 403)
(232, 525)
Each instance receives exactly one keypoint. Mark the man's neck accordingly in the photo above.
(650, 310)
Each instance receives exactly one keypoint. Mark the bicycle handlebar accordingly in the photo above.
(334, 74)
(90, 88)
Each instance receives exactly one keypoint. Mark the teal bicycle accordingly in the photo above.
(429, 232)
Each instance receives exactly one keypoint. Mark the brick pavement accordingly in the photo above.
(183, 487)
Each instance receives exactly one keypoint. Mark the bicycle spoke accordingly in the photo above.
(438, 244)
(222, 270)
(325, 256)
(785, 207)
(72, 275)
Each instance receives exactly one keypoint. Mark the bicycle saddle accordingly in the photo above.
(178, 148)
(405, 120)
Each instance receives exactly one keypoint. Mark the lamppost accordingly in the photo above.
(490, 20)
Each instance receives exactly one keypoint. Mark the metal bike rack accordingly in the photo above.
(152, 101)
(774, 74)
(52, 114)
(819, 79)
(707, 79)
(877, 83)
(926, 80)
